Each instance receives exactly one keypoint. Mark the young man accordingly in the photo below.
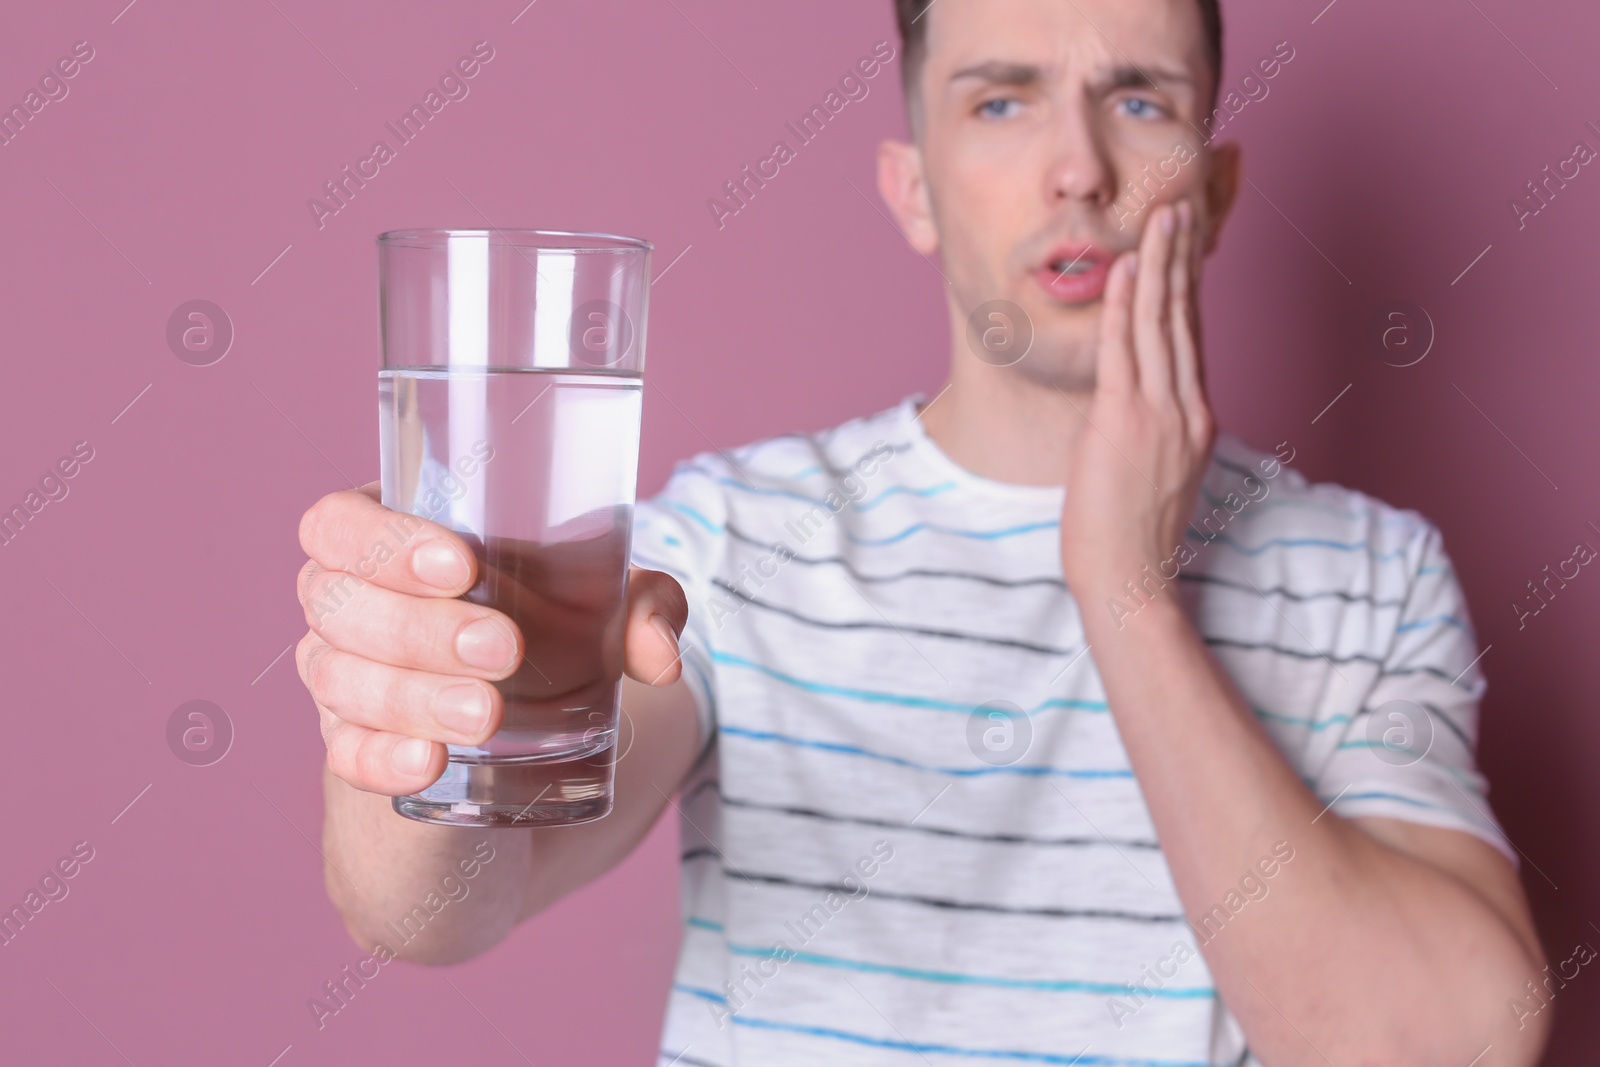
(1032, 723)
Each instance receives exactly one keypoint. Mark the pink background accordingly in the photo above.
(181, 163)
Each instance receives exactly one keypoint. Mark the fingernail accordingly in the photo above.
(463, 708)
(1169, 220)
(411, 756)
(485, 644)
(439, 564)
(1133, 263)
(664, 628)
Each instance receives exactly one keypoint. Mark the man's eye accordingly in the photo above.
(999, 108)
(1143, 109)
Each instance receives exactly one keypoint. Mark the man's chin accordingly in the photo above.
(1069, 368)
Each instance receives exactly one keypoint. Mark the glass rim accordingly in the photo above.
(544, 240)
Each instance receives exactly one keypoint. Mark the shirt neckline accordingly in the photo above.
(929, 452)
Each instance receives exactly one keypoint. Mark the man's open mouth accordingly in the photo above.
(1075, 274)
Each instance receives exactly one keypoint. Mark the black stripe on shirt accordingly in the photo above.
(1435, 713)
(686, 1059)
(936, 831)
(1435, 671)
(849, 568)
(1351, 598)
(820, 458)
(1354, 657)
(1056, 583)
(1228, 464)
(951, 905)
(826, 624)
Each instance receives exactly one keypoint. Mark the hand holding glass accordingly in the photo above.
(509, 406)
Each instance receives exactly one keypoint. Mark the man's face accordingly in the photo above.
(1035, 117)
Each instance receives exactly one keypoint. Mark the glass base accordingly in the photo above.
(540, 793)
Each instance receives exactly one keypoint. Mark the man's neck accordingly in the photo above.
(1004, 426)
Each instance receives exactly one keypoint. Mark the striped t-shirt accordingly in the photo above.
(914, 836)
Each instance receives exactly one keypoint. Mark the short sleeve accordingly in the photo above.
(1409, 752)
(682, 531)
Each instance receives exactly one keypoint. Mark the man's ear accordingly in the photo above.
(1222, 186)
(903, 185)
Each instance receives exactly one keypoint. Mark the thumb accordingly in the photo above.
(657, 613)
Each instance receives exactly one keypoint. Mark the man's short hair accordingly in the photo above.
(914, 42)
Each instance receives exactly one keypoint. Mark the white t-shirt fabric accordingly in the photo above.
(914, 836)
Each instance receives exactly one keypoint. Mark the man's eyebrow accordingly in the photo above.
(1128, 76)
(1002, 72)
(1134, 77)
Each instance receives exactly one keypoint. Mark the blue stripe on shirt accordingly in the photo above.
(983, 535)
(900, 761)
(1293, 542)
(862, 505)
(1032, 527)
(875, 697)
(1261, 504)
(1062, 985)
(1380, 795)
(1455, 772)
(1083, 1059)
(1310, 724)
(1422, 624)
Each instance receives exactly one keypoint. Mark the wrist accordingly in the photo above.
(1147, 601)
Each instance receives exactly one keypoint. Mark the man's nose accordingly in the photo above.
(1080, 168)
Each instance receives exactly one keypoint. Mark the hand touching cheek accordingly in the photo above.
(1133, 477)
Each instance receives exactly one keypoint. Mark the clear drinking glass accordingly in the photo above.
(509, 404)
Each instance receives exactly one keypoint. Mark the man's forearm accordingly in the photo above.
(382, 867)
(1358, 950)
(426, 893)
